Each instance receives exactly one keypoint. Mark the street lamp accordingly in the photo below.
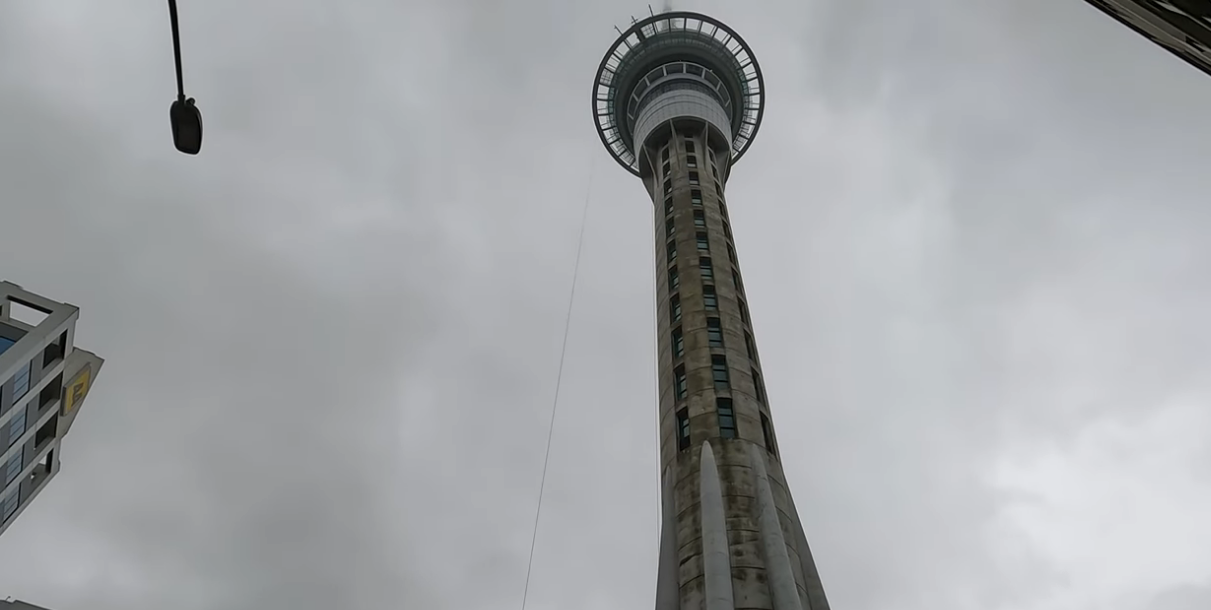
(184, 114)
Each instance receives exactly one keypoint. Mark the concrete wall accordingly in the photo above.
(680, 467)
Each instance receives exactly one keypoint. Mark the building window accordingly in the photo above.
(669, 227)
(699, 219)
(683, 429)
(719, 372)
(14, 468)
(664, 169)
(731, 254)
(727, 417)
(727, 230)
(691, 161)
(674, 281)
(714, 171)
(689, 146)
(709, 299)
(704, 245)
(704, 267)
(736, 280)
(54, 351)
(10, 505)
(21, 382)
(714, 332)
(678, 343)
(748, 346)
(759, 387)
(767, 432)
(718, 189)
(664, 154)
(668, 185)
(6, 343)
(679, 384)
(668, 205)
(672, 249)
(694, 179)
(675, 309)
(16, 426)
(696, 197)
(743, 312)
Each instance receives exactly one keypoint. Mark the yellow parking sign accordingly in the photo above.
(77, 389)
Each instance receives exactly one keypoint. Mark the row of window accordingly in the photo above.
(726, 415)
(719, 367)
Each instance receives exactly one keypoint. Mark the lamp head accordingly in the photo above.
(186, 126)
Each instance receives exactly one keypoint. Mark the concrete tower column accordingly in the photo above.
(678, 100)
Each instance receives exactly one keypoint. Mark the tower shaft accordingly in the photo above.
(712, 392)
(677, 100)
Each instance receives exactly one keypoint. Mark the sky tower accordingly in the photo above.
(677, 101)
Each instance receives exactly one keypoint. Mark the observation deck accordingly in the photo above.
(671, 68)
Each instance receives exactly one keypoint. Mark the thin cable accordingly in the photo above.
(563, 351)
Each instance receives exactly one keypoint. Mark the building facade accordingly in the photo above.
(677, 101)
(44, 379)
(1183, 27)
(12, 604)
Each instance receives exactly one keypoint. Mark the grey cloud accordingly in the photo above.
(962, 226)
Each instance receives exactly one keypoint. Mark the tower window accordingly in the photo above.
(689, 146)
(691, 161)
(672, 250)
(664, 154)
(731, 254)
(709, 299)
(699, 219)
(664, 169)
(714, 332)
(696, 197)
(668, 205)
(679, 384)
(759, 387)
(718, 189)
(736, 280)
(694, 179)
(748, 346)
(683, 429)
(727, 230)
(727, 417)
(669, 227)
(704, 266)
(743, 312)
(678, 343)
(723, 207)
(767, 433)
(674, 281)
(714, 170)
(719, 372)
(675, 309)
(668, 185)
(704, 244)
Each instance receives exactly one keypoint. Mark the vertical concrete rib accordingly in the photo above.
(668, 590)
(717, 565)
(783, 589)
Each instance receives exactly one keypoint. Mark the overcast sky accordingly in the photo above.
(972, 231)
